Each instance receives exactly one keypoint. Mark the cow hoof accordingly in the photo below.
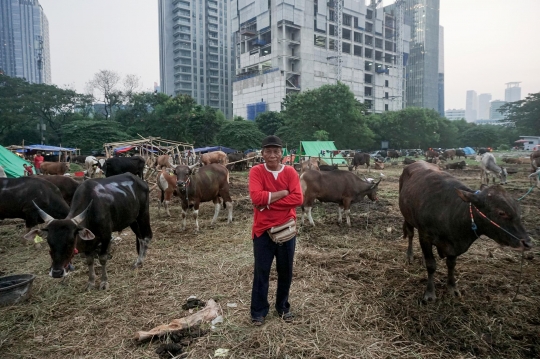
(89, 287)
(410, 259)
(104, 286)
(430, 296)
(455, 291)
(136, 265)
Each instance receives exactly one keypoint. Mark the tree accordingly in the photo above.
(89, 134)
(203, 126)
(481, 136)
(269, 122)
(331, 108)
(524, 114)
(220, 116)
(16, 104)
(105, 82)
(132, 83)
(240, 135)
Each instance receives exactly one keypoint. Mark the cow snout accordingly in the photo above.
(181, 184)
(57, 273)
(526, 244)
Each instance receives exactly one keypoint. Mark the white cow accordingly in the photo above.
(92, 165)
(488, 166)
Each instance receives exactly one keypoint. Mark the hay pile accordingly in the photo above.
(353, 294)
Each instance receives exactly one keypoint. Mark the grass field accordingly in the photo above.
(353, 294)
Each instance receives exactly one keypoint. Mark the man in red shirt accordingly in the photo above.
(275, 193)
(38, 160)
(28, 170)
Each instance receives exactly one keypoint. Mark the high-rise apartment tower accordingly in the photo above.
(285, 46)
(195, 51)
(471, 106)
(512, 92)
(483, 106)
(24, 41)
(422, 71)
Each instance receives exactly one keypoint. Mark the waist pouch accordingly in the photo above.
(284, 232)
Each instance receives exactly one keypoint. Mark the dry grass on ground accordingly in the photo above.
(353, 294)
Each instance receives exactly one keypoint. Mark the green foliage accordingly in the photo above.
(220, 116)
(238, 118)
(524, 115)
(91, 134)
(240, 135)
(321, 135)
(203, 126)
(331, 108)
(503, 147)
(269, 122)
(488, 136)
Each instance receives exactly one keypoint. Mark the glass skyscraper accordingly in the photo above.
(195, 52)
(422, 70)
(24, 41)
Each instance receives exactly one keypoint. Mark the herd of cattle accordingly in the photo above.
(83, 216)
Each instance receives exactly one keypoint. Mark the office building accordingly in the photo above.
(471, 106)
(422, 71)
(286, 47)
(512, 92)
(24, 40)
(483, 106)
(195, 51)
(455, 114)
(494, 114)
(441, 71)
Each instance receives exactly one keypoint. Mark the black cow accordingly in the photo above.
(460, 153)
(66, 185)
(117, 165)
(393, 154)
(360, 159)
(100, 207)
(408, 161)
(17, 194)
(235, 157)
(333, 167)
(341, 187)
(78, 159)
(450, 228)
(456, 165)
(208, 183)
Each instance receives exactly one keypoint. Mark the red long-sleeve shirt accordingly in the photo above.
(261, 183)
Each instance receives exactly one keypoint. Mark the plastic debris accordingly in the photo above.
(218, 319)
(232, 305)
(221, 352)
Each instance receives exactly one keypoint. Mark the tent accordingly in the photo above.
(468, 151)
(325, 150)
(46, 148)
(13, 164)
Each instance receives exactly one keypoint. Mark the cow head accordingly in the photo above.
(502, 175)
(183, 174)
(372, 191)
(497, 205)
(61, 236)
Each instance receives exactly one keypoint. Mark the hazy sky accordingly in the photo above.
(487, 43)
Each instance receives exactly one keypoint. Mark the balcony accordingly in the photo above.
(212, 5)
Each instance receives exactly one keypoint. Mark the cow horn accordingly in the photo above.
(193, 166)
(376, 183)
(77, 220)
(46, 218)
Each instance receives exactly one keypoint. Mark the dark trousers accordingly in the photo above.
(264, 251)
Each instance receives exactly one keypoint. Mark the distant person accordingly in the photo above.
(28, 170)
(38, 160)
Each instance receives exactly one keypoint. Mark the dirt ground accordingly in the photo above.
(353, 294)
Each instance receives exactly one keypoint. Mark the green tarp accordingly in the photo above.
(13, 164)
(315, 148)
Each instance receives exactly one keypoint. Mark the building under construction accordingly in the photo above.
(284, 47)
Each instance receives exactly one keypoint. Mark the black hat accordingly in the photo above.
(272, 141)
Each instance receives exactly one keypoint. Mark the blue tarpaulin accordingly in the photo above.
(214, 148)
(46, 148)
(468, 151)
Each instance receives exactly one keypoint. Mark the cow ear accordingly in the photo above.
(466, 196)
(30, 236)
(85, 234)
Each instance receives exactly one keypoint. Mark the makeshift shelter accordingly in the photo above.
(326, 151)
(214, 148)
(148, 147)
(13, 164)
(468, 151)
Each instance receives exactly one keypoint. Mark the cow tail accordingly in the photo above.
(228, 173)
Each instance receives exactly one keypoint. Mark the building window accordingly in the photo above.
(332, 15)
(368, 78)
(368, 103)
(320, 41)
(355, 21)
(379, 68)
(346, 34)
(368, 53)
(332, 30)
(378, 43)
(388, 46)
(388, 58)
(369, 14)
(368, 65)
(331, 43)
(346, 20)
(386, 95)
(367, 91)
(369, 40)
(346, 47)
(385, 83)
(378, 55)
(357, 37)
(357, 50)
(386, 107)
(369, 27)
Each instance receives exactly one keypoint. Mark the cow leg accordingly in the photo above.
(408, 232)
(310, 218)
(340, 211)
(347, 211)
(104, 285)
(431, 266)
(184, 215)
(196, 216)
(217, 207)
(91, 273)
(229, 209)
(451, 283)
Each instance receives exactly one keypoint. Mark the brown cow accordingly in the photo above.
(66, 185)
(408, 161)
(393, 154)
(449, 154)
(209, 183)
(456, 165)
(54, 168)
(424, 187)
(516, 160)
(167, 184)
(431, 154)
(214, 157)
(341, 187)
(311, 164)
(379, 166)
(535, 160)
(163, 161)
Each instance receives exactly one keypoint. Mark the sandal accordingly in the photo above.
(287, 317)
(257, 321)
